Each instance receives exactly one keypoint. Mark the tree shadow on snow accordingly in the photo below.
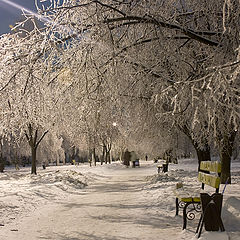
(231, 214)
(92, 236)
(119, 186)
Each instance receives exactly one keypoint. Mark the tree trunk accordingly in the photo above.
(94, 156)
(226, 167)
(33, 143)
(1, 157)
(1, 163)
(34, 160)
(226, 151)
(103, 154)
(202, 154)
(108, 150)
(108, 159)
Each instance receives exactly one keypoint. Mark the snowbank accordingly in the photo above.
(21, 192)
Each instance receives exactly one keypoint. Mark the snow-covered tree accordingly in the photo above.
(173, 47)
(180, 56)
(27, 101)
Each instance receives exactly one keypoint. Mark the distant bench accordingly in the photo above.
(209, 174)
(135, 163)
(162, 167)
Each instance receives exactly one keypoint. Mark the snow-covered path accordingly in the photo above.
(118, 203)
(112, 208)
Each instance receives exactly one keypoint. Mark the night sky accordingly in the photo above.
(10, 14)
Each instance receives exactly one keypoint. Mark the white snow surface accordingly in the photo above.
(108, 202)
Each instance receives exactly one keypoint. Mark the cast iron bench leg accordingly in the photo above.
(200, 227)
(199, 223)
(177, 207)
(185, 215)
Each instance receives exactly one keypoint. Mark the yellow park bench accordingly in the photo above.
(209, 174)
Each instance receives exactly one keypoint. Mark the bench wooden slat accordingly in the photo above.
(213, 181)
(191, 199)
(211, 166)
(186, 195)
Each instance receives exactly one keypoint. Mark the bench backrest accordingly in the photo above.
(209, 174)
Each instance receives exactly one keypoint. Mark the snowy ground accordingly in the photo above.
(108, 202)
